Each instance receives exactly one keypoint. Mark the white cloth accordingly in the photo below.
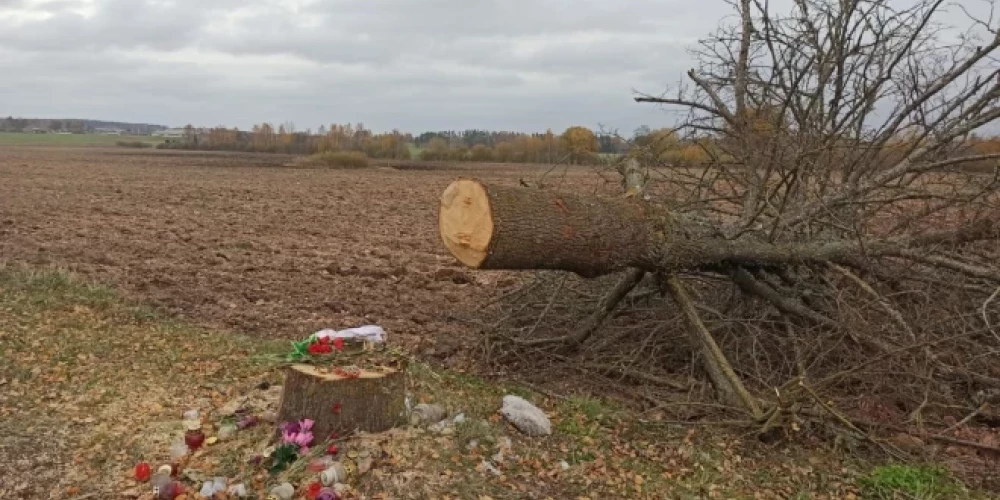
(369, 333)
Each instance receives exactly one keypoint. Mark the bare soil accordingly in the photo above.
(239, 242)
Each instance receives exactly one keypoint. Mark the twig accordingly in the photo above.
(542, 390)
(637, 375)
(607, 304)
(548, 307)
(893, 313)
(936, 437)
(749, 284)
(847, 422)
(986, 317)
(707, 423)
(723, 377)
(659, 405)
(968, 418)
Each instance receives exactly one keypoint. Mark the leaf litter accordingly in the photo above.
(91, 386)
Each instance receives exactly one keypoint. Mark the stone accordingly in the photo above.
(207, 489)
(525, 416)
(425, 414)
(237, 490)
(283, 491)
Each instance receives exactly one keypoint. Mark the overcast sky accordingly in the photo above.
(410, 64)
(416, 65)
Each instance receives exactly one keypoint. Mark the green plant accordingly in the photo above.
(908, 481)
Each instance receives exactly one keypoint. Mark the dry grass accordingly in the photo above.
(335, 159)
(89, 385)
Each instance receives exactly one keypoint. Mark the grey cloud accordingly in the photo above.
(513, 64)
(120, 25)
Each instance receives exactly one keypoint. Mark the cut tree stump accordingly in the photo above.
(374, 401)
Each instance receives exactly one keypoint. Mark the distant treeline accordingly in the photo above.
(73, 125)
(574, 145)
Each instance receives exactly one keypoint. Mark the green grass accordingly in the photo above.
(889, 482)
(71, 140)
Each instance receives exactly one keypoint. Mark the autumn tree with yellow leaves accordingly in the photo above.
(580, 144)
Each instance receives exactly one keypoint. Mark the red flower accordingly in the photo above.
(332, 449)
(313, 490)
(334, 436)
(324, 340)
(142, 472)
(336, 408)
(318, 348)
(338, 343)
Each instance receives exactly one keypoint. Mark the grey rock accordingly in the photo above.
(332, 475)
(283, 491)
(237, 490)
(525, 416)
(424, 414)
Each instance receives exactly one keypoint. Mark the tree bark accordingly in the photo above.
(499, 227)
(372, 402)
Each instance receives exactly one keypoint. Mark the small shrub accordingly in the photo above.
(907, 481)
(336, 159)
(133, 144)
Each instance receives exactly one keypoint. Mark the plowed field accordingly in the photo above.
(243, 243)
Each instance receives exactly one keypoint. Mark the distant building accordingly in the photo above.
(109, 131)
(37, 130)
(170, 133)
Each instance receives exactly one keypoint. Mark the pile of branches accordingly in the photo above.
(836, 257)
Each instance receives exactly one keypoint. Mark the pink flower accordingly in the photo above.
(306, 424)
(304, 438)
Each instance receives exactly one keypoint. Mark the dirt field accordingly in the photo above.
(235, 241)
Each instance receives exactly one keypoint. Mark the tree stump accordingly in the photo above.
(374, 401)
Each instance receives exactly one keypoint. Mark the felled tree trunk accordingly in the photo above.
(372, 402)
(511, 228)
(499, 227)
